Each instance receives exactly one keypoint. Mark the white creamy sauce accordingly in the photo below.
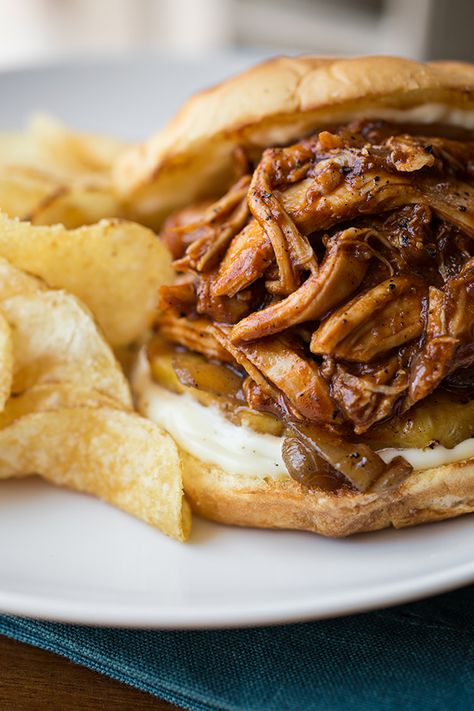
(428, 458)
(205, 433)
(424, 113)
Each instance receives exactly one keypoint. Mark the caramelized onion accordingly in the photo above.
(307, 467)
(194, 371)
(358, 463)
(395, 474)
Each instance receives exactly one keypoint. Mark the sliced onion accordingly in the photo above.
(194, 371)
(307, 467)
(395, 474)
(359, 464)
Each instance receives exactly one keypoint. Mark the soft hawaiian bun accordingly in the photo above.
(275, 103)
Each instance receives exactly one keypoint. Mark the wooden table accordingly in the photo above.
(34, 680)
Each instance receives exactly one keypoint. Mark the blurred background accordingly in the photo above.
(38, 31)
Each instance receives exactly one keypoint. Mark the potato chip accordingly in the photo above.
(52, 175)
(115, 267)
(74, 206)
(56, 339)
(13, 281)
(23, 190)
(118, 456)
(72, 152)
(6, 361)
(49, 145)
(31, 195)
(20, 148)
(54, 396)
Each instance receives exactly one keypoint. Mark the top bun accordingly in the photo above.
(275, 103)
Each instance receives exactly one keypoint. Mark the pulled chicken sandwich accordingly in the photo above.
(324, 296)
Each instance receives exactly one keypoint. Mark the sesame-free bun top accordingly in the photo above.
(275, 103)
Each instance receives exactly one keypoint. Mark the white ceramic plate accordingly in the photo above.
(69, 557)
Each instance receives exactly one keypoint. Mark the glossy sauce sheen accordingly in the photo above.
(342, 282)
(205, 433)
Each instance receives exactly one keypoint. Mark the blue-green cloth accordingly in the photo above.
(413, 657)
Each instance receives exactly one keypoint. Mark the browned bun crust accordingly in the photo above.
(275, 103)
(430, 495)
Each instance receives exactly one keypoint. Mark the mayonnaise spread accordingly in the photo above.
(205, 433)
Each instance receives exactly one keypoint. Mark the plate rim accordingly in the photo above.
(306, 609)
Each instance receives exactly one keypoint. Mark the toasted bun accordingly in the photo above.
(430, 495)
(275, 103)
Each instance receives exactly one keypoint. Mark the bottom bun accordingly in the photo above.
(241, 500)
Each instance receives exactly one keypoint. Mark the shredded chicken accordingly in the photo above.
(196, 334)
(342, 271)
(366, 395)
(338, 274)
(449, 338)
(377, 321)
(355, 196)
(175, 233)
(296, 376)
(213, 231)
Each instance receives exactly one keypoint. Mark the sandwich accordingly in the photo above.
(314, 355)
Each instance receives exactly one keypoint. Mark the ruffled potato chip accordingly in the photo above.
(115, 267)
(12, 282)
(118, 456)
(54, 396)
(20, 148)
(55, 339)
(29, 194)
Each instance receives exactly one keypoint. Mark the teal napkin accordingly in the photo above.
(416, 657)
